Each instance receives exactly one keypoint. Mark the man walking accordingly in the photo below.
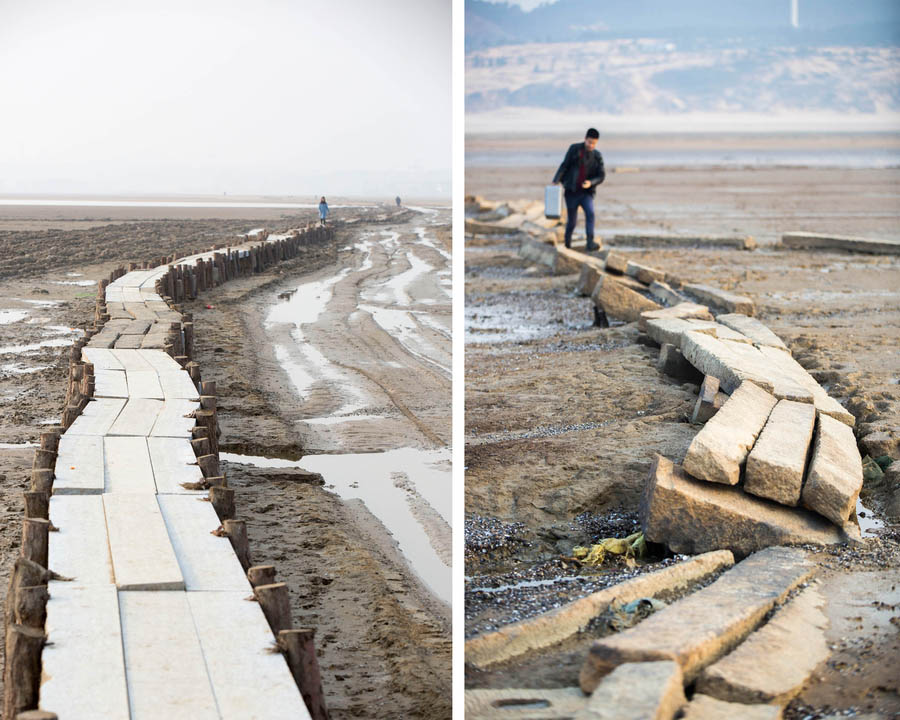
(580, 173)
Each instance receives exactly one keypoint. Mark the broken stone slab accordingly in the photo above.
(587, 280)
(777, 461)
(556, 625)
(474, 227)
(665, 294)
(681, 311)
(671, 330)
(773, 663)
(753, 329)
(835, 471)
(693, 516)
(637, 691)
(741, 243)
(731, 302)
(643, 273)
(616, 263)
(794, 370)
(618, 301)
(521, 703)
(547, 254)
(702, 627)
(786, 385)
(717, 452)
(708, 402)
(704, 707)
(818, 241)
(672, 363)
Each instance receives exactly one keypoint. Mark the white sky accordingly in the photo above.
(336, 97)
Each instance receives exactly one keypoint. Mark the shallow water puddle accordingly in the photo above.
(868, 523)
(373, 478)
(17, 446)
(10, 316)
(20, 369)
(405, 327)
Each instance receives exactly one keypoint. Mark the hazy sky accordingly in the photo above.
(337, 97)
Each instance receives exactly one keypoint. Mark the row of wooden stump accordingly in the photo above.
(25, 610)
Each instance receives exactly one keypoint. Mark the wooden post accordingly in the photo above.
(25, 574)
(35, 536)
(222, 499)
(237, 533)
(217, 481)
(208, 387)
(50, 440)
(22, 675)
(299, 648)
(200, 446)
(208, 402)
(193, 370)
(37, 505)
(42, 481)
(188, 330)
(276, 605)
(30, 606)
(207, 418)
(209, 464)
(261, 575)
(44, 459)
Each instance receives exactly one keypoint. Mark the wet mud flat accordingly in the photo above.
(383, 637)
(563, 419)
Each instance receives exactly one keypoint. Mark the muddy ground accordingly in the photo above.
(383, 640)
(562, 418)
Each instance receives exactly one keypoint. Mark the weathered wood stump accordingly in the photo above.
(261, 575)
(299, 650)
(222, 499)
(276, 605)
(22, 674)
(237, 533)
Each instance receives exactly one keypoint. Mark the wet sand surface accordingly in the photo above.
(563, 418)
(383, 632)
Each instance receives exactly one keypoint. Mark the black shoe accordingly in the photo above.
(569, 244)
(590, 247)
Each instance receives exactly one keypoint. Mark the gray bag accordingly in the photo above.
(553, 196)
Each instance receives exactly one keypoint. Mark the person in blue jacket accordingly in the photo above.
(323, 210)
(580, 172)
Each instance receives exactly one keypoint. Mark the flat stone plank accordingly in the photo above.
(720, 359)
(248, 680)
(521, 703)
(79, 465)
(618, 301)
(772, 665)
(160, 361)
(840, 242)
(83, 667)
(153, 341)
(835, 471)
(671, 330)
(173, 420)
(663, 292)
(720, 448)
(132, 360)
(101, 359)
(110, 383)
(80, 548)
(643, 273)
(693, 516)
(137, 327)
(698, 629)
(97, 417)
(137, 417)
(144, 384)
(129, 342)
(681, 311)
(786, 384)
(753, 329)
(165, 666)
(127, 466)
(704, 707)
(174, 463)
(143, 557)
(177, 385)
(103, 340)
(731, 302)
(207, 562)
(560, 623)
(777, 461)
(132, 294)
(637, 691)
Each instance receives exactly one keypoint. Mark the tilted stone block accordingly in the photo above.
(835, 471)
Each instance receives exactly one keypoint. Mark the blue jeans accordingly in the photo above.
(573, 201)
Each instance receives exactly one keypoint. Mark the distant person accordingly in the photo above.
(580, 173)
(323, 210)
(398, 200)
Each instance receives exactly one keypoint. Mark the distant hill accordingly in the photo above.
(652, 57)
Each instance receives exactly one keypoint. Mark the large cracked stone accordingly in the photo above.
(616, 263)
(776, 463)
(619, 301)
(587, 280)
(722, 360)
(718, 451)
(835, 471)
(637, 691)
(773, 664)
(664, 293)
(693, 516)
(643, 273)
(753, 329)
(702, 627)
(731, 302)
(671, 330)
(682, 311)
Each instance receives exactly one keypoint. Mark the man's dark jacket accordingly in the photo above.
(568, 171)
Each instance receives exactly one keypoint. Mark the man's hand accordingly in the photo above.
(586, 184)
